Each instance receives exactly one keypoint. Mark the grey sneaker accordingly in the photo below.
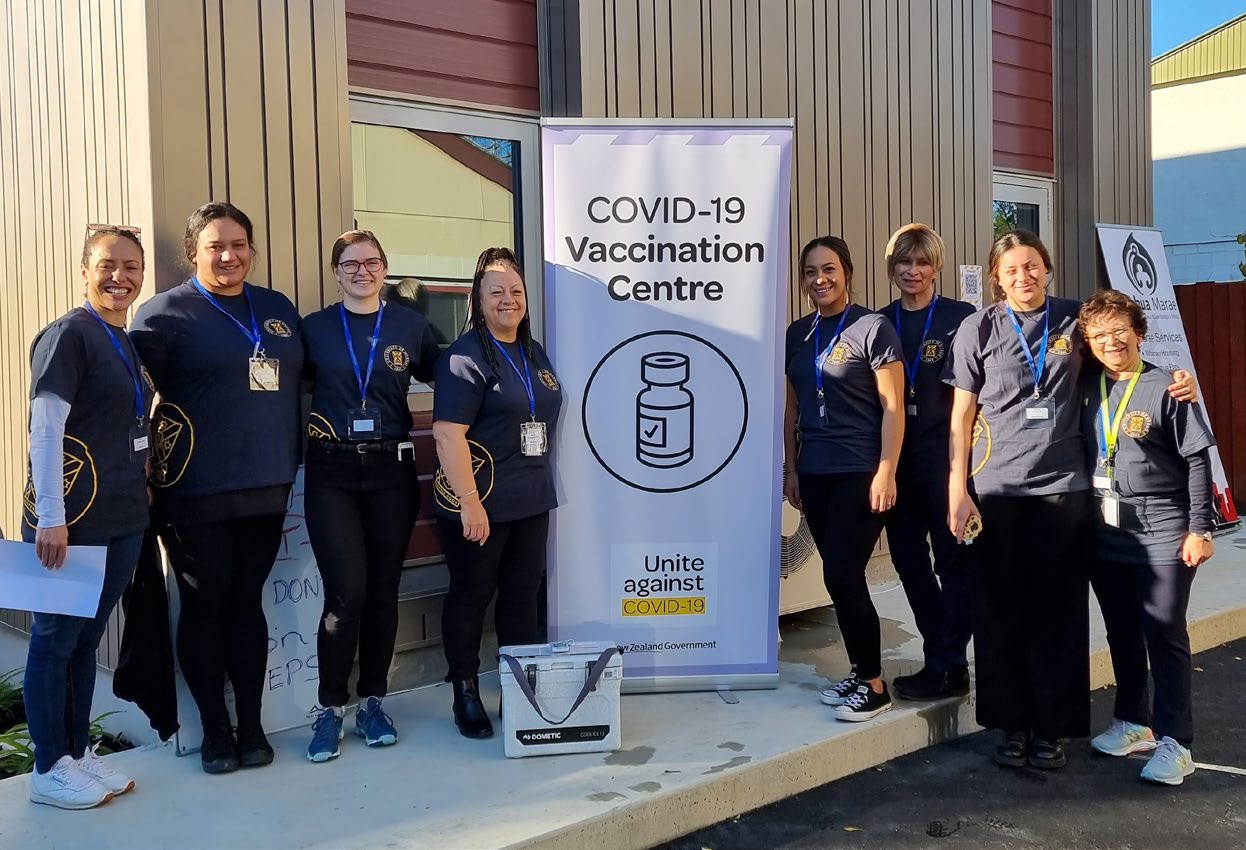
(1123, 738)
(1170, 765)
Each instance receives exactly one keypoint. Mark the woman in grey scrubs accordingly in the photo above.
(1152, 482)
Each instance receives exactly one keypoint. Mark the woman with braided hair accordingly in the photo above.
(494, 409)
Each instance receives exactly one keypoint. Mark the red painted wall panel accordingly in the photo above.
(481, 52)
(1213, 314)
(1021, 85)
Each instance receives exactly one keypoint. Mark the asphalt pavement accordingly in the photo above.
(953, 796)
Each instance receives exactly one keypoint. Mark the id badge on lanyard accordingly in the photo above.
(1038, 411)
(264, 373)
(361, 424)
(1110, 505)
(140, 440)
(532, 439)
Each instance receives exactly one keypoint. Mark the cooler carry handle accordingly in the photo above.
(595, 670)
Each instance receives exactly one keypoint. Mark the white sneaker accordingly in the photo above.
(1170, 765)
(114, 780)
(1123, 738)
(66, 786)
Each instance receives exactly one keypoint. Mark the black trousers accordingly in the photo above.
(845, 530)
(360, 510)
(940, 596)
(510, 564)
(1144, 608)
(221, 568)
(1028, 572)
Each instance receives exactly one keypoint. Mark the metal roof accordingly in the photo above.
(1218, 53)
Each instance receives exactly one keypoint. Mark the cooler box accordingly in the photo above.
(560, 698)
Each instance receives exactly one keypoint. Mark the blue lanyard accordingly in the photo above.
(1036, 369)
(917, 358)
(360, 378)
(254, 334)
(819, 359)
(130, 367)
(525, 377)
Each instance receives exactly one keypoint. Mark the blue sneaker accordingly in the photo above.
(373, 724)
(326, 733)
(1170, 765)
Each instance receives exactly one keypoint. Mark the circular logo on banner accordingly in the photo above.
(932, 351)
(981, 431)
(1139, 267)
(1061, 344)
(664, 411)
(548, 379)
(1137, 424)
(276, 327)
(397, 359)
(482, 470)
(81, 484)
(172, 444)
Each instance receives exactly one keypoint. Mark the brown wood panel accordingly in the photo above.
(475, 51)
(1022, 52)
(1010, 109)
(1022, 20)
(1022, 85)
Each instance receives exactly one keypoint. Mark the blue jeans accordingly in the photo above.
(60, 665)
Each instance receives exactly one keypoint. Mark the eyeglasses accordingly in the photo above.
(1118, 334)
(372, 264)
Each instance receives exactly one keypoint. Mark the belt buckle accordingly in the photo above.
(361, 448)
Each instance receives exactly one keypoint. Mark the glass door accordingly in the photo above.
(1022, 202)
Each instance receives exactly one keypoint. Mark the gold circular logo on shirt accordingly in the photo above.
(932, 351)
(840, 354)
(319, 428)
(482, 470)
(548, 379)
(276, 327)
(1137, 424)
(1061, 344)
(173, 442)
(397, 358)
(81, 484)
(981, 431)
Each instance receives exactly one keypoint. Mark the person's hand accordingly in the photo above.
(791, 489)
(52, 545)
(475, 520)
(960, 508)
(882, 492)
(1195, 550)
(1183, 387)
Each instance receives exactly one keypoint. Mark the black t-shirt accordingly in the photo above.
(494, 403)
(105, 480)
(924, 457)
(213, 434)
(849, 437)
(405, 349)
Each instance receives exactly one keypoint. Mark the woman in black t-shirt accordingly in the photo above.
(494, 410)
(88, 448)
(226, 357)
(361, 494)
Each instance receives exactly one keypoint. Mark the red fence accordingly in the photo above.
(1214, 315)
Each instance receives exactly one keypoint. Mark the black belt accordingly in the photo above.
(364, 447)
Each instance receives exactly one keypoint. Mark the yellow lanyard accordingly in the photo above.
(1108, 432)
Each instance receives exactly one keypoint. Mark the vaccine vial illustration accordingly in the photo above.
(664, 411)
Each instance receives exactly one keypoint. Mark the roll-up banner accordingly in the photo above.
(666, 277)
(1137, 266)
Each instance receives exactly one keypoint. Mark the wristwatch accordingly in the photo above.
(1205, 535)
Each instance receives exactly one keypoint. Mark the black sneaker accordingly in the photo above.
(864, 704)
(219, 751)
(253, 747)
(930, 684)
(838, 693)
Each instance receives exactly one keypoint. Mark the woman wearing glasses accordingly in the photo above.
(226, 358)
(361, 495)
(1152, 482)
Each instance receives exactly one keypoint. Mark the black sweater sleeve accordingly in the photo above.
(1200, 492)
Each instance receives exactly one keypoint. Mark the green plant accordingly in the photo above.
(17, 751)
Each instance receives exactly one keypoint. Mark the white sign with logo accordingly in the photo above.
(1138, 267)
(666, 274)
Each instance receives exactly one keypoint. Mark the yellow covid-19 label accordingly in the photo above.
(672, 606)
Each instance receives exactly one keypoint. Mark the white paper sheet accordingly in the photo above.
(25, 585)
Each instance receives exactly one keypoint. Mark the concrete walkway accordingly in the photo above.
(689, 760)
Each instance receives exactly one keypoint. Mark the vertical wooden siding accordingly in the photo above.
(1214, 315)
(892, 108)
(470, 51)
(73, 151)
(249, 105)
(1022, 86)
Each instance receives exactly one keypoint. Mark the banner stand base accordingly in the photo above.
(681, 684)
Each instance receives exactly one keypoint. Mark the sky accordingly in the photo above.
(1174, 22)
